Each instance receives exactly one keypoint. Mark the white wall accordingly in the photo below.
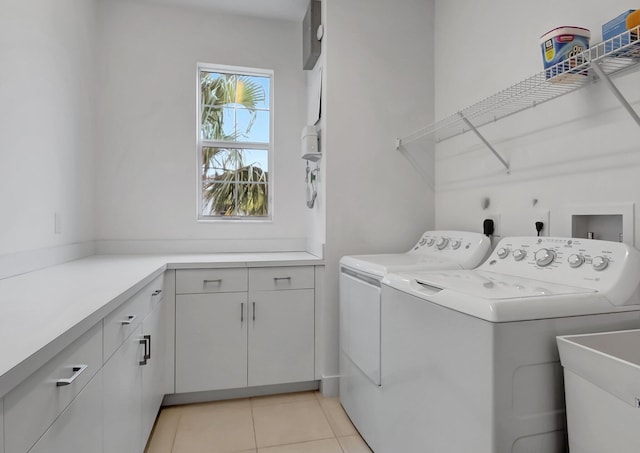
(47, 55)
(379, 85)
(146, 167)
(580, 149)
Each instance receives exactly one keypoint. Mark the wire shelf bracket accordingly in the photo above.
(602, 61)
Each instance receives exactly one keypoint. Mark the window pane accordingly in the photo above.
(218, 199)
(253, 199)
(218, 123)
(257, 90)
(253, 126)
(221, 163)
(217, 89)
(257, 158)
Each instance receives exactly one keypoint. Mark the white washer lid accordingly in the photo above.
(494, 286)
(380, 265)
(499, 297)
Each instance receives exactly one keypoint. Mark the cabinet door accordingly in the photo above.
(153, 372)
(122, 397)
(211, 341)
(79, 427)
(281, 337)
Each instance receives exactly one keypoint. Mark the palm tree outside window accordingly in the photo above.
(234, 142)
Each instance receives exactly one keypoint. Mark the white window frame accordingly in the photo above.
(238, 70)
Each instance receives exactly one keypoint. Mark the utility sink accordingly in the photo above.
(602, 390)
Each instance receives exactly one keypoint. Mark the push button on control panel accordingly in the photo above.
(519, 254)
(502, 253)
(455, 244)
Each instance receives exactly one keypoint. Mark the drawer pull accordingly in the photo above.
(146, 341)
(157, 292)
(254, 311)
(276, 279)
(129, 320)
(242, 312)
(77, 371)
(217, 281)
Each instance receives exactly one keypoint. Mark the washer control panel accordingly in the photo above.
(571, 261)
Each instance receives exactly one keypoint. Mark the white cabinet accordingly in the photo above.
(281, 337)
(153, 374)
(211, 341)
(134, 384)
(31, 407)
(79, 427)
(122, 400)
(262, 333)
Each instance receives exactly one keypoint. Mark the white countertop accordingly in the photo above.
(44, 311)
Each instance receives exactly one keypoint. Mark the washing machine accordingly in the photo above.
(360, 319)
(469, 357)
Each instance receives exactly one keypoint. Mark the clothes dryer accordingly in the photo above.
(360, 320)
(469, 357)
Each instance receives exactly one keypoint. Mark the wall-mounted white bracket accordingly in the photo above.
(484, 140)
(616, 92)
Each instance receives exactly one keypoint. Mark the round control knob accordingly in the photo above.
(455, 245)
(423, 241)
(544, 257)
(442, 243)
(519, 254)
(430, 242)
(600, 263)
(576, 260)
(502, 253)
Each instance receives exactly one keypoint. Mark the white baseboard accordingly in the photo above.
(13, 264)
(330, 386)
(244, 392)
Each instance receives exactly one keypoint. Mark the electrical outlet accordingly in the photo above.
(541, 216)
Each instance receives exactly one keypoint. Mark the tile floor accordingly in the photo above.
(305, 422)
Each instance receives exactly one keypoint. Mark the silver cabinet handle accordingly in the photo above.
(254, 311)
(275, 279)
(242, 312)
(146, 341)
(129, 320)
(77, 371)
(217, 281)
(157, 292)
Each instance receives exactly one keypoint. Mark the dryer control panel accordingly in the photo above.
(609, 267)
(464, 247)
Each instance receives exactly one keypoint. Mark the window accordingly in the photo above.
(235, 142)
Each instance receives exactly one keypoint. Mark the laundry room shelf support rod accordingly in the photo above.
(616, 92)
(484, 140)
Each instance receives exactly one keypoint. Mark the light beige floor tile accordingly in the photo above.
(338, 419)
(282, 398)
(314, 446)
(220, 427)
(353, 444)
(280, 424)
(164, 431)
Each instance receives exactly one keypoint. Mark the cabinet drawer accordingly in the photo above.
(194, 281)
(124, 319)
(278, 278)
(30, 408)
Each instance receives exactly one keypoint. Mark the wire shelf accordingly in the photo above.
(611, 57)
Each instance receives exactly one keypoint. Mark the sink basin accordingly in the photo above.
(602, 391)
